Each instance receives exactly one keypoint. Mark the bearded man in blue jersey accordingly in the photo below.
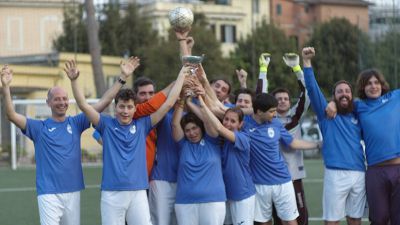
(344, 178)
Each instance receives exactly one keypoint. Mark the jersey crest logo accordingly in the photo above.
(51, 129)
(354, 120)
(271, 132)
(202, 142)
(132, 129)
(69, 129)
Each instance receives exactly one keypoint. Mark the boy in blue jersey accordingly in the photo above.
(270, 173)
(344, 179)
(291, 118)
(124, 181)
(59, 177)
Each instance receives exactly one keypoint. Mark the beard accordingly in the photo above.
(346, 109)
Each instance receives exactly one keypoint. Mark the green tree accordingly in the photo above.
(266, 38)
(121, 32)
(74, 37)
(387, 60)
(163, 60)
(136, 34)
(110, 30)
(342, 50)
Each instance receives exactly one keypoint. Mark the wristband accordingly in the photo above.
(121, 81)
(182, 39)
(263, 69)
(296, 68)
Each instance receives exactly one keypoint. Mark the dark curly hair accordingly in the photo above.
(124, 95)
(363, 79)
(192, 118)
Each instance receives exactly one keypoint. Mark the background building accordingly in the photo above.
(28, 27)
(384, 16)
(298, 17)
(229, 19)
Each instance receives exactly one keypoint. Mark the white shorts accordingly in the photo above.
(282, 196)
(161, 202)
(212, 213)
(116, 206)
(343, 194)
(56, 209)
(240, 212)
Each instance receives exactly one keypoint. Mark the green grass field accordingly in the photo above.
(18, 204)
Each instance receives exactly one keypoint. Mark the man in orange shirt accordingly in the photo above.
(144, 90)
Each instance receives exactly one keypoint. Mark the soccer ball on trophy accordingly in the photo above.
(180, 18)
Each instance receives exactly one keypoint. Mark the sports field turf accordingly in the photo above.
(18, 204)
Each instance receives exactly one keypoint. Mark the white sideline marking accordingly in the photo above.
(3, 190)
(320, 219)
(313, 180)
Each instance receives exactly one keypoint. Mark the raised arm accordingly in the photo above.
(185, 43)
(215, 123)
(127, 68)
(73, 73)
(242, 77)
(210, 129)
(318, 101)
(211, 98)
(298, 111)
(262, 83)
(18, 119)
(172, 96)
(177, 131)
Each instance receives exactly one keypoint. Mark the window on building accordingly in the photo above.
(228, 33)
(212, 28)
(223, 2)
(306, 8)
(256, 6)
(278, 9)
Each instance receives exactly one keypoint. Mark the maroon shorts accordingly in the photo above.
(383, 194)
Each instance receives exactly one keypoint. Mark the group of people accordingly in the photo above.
(187, 155)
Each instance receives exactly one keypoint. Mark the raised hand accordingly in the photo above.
(129, 66)
(182, 33)
(190, 43)
(291, 59)
(307, 53)
(6, 75)
(71, 70)
(263, 61)
(242, 77)
(199, 90)
(201, 74)
(331, 110)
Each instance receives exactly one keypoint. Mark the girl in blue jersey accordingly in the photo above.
(378, 113)
(200, 195)
(239, 186)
